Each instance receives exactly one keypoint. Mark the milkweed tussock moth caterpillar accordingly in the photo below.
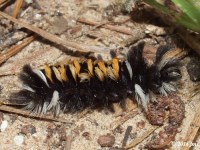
(91, 84)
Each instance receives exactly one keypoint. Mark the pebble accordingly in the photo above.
(151, 29)
(19, 139)
(106, 140)
(28, 129)
(4, 125)
(38, 16)
(141, 124)
(87, 136)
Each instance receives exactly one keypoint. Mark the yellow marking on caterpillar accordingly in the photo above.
(77, 66)
(117, 109)
(84, 77)
(57, 73)
(115, 66)
(110, 73)
(171, 55)
(48, 72)
(62, 71)
(103, 68)
(99, 74)
(90, 67)
(73, 71)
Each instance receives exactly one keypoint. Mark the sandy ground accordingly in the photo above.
(60, 18)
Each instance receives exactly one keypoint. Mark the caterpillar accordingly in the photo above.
(83, 84)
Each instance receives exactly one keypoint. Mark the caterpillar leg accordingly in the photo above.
(130, 105)
(117, 109)
(84, 112)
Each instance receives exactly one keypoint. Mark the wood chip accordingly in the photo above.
(141, 138)
(106, 140)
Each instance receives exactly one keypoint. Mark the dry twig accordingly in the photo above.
(126, 136)
(193, 129)
(55, 39)
(123, 119)
(107, 26)
(16, 48)
(18, 5)
(69, 142)
(12, 68)
(27, 113)
(2, 1)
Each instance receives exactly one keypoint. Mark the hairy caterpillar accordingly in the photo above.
(90, 84)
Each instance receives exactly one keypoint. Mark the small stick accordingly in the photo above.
(107, 26)
(12, 68)
(69, 142)
(141, 138)
(123, 119)
(18, 5)
(55, 39)
(126, 136)
(16, 48)
(27, 113)
(2, 1)
(193, 129)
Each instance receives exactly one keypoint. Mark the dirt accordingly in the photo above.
(60, 18)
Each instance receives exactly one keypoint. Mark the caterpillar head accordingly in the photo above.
(165, 70)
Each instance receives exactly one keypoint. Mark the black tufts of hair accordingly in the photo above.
(161, 51)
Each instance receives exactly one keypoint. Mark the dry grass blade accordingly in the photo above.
(193, 129)
(15, 49)
(18, 5)
(123, 119)
(69, 142)
(55, 39)
(27, 113)
(141, 138)
(107, 26)
(2, 1)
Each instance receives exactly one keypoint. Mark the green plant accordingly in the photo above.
(188, 16)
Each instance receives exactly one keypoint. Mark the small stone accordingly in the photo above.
(28, 129)
(59, 25)
(141, 124)
(106, 140)
(87, 135)
(151, 29)
(13, 118)
(19, 139)
(4, 125)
